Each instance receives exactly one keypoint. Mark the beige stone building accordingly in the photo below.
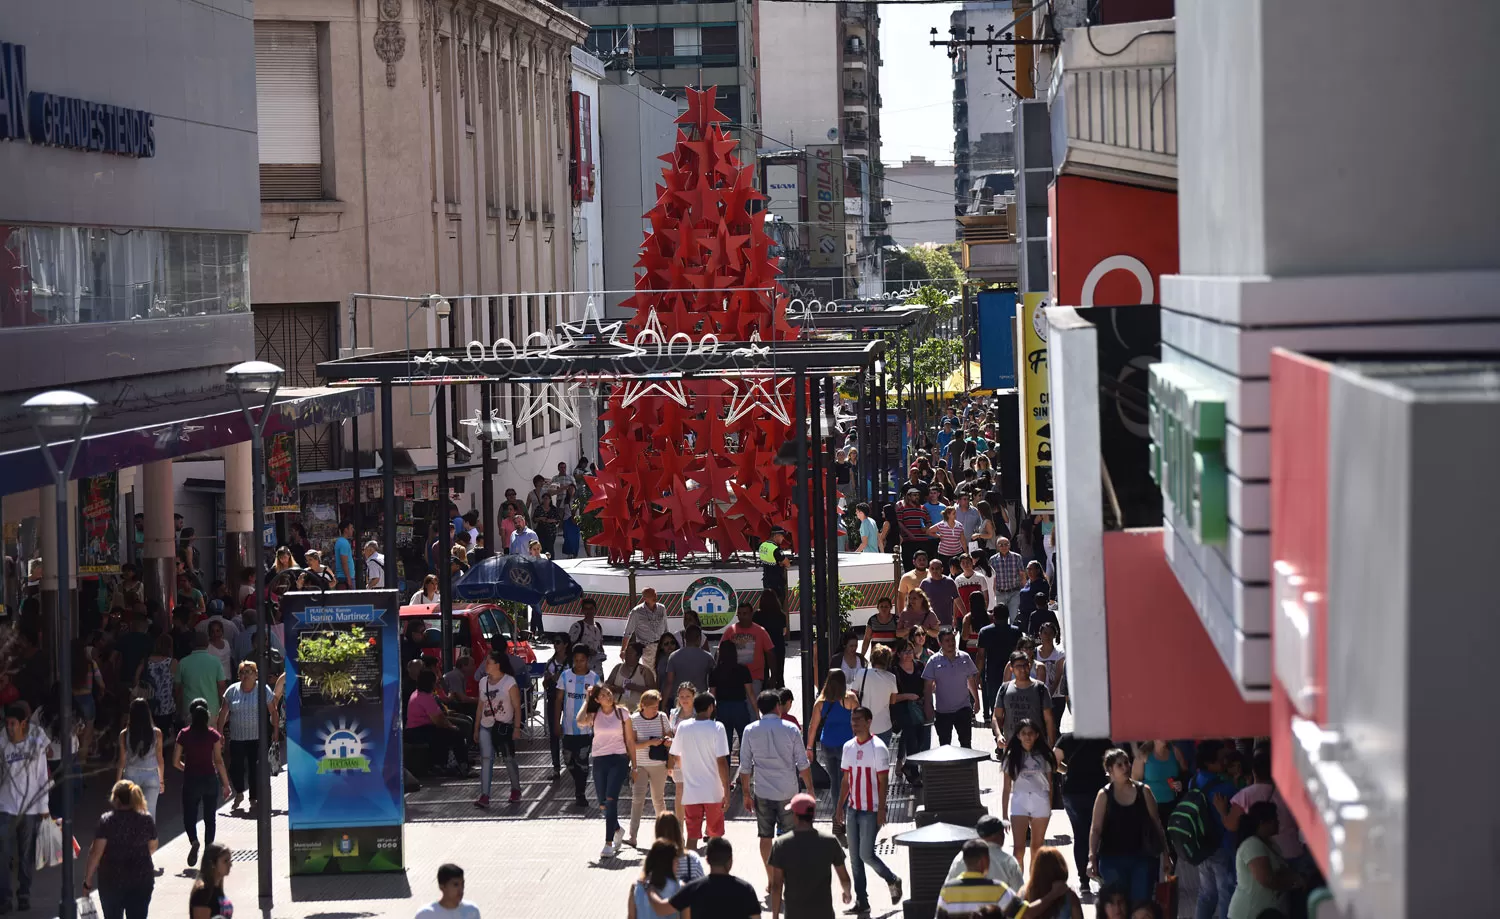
(410, 147)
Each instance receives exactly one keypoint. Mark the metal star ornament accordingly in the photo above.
(759, 393)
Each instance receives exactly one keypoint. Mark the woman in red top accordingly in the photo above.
(200, 756)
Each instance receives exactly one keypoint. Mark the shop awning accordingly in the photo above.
(134, 435)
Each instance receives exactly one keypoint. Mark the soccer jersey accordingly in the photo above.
(863, 765)
(575, 689)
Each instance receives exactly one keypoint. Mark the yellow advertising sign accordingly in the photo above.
(1036, 425)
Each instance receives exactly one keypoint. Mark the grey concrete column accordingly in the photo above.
(157, 567)
(238, 519)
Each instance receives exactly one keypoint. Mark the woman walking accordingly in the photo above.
(730, 683)
(1161, 765)
(1051, 662)
(141, 758)
(908, 714)
(657, 876)
(495, 728)
(1262, 876)
(1049, 872)
(630, 677)
(1026, 799)
(831, 728)
(160, 680)
(208, 900)
(686, 693)
(890, 533)
(199, 756)
(688, 867)
(652, 736)
(244, 714)
(1126, 839)
(952, 541)
(614, 751)
(689, 619)
(119, 864)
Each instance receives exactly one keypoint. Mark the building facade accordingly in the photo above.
(1307, 400)
(407, 149)
(983, 105)
(125, 242)
(920, 193)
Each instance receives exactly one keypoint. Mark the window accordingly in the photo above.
(654, 43)
(287, 115)
(719, 43)
(298, 337)
(687, 41)
(729, 103)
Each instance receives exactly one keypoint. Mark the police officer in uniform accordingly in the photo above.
(772, 613)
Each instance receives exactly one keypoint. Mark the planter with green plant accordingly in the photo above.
(324, 661)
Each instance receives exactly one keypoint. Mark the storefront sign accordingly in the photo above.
(1187, 449)
(99, 524)
(344, 776)
(281, 474)
(1036, 423)
(63, 121)
(1111, 243)
(825, 170)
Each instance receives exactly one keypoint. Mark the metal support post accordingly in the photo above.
(388, 486)
(804, 549)
(445, 538)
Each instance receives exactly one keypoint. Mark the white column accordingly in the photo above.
(159, 571)
(239, 523)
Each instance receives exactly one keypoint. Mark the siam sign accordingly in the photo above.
(1187, 450)
(63, 121)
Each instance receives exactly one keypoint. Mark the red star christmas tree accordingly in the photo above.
(689, 462)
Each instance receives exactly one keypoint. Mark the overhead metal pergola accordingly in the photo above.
(594, 352)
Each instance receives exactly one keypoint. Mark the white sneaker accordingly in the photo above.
(607, 852)
(619, 841)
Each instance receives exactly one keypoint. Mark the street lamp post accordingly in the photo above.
(246, 378)
(66, 414)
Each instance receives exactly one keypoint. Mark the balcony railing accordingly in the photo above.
(1116, 117)
(856, 96)
(856, 135)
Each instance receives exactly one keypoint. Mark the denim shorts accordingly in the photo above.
(771, 818)
(1030, 804)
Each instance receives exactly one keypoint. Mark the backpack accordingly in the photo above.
(1194, 826)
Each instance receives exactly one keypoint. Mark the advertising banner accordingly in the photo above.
(825, 205)
(343, 729)
(1111, 243)
(1036, 426)
(99, 524)
(281, 473)
(996, 311)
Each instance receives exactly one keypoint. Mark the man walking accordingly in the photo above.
(374, 566)
(952, 690)
(577, 740)
(716, 895)
(343, 557)
(450, 903)
(688, 664)
(801, 863)
(521, 536)
(1007, 569)
(911, 579)
(700, 749)
(1022, 699)
(942, 594)
(646, 624)
(752, 643)
(867, 774)
(912, 519)
(588, 632)
(23, 801)
(1003, 866)
(771, 758)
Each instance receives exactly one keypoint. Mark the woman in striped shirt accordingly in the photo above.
(952, 542)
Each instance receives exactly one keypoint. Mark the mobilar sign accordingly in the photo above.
(1187, 450)
(63, 121)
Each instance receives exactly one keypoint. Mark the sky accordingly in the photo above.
(916, 84)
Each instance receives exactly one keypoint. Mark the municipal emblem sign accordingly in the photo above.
(713, 600)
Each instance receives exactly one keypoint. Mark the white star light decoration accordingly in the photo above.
(763, 393)
(498, 428)
(557, 398)
(636, 390)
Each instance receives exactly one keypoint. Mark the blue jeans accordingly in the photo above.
(863, 829)
(833, 764)
(610, 773)
(1136, 874)
(489, 745)
(1215, 886)
(126, 902)
(1080, 810)
(735, 716)
(18, 843)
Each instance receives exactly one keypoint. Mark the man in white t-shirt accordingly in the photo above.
(700, 749)
(451, 905)
(374, 566)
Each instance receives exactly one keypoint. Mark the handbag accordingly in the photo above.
(658, 753)
(500, 730)
(907, 714)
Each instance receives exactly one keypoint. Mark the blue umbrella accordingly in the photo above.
(520, 579)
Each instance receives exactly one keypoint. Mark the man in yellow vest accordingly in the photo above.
(773, 565)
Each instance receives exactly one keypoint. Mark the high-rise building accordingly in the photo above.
(983, 105)
(820, 80)
(671, 46)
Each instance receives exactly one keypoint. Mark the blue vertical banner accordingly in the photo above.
(343, 728)
(996, 310)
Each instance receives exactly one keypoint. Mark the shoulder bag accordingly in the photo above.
(658, 753)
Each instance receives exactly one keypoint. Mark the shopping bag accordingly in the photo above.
(49, 844)
(1166, 895)
(87, 907)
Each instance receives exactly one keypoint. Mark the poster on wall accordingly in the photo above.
(1036, 425)
(281, 473)
(99, 524)
(343, 727)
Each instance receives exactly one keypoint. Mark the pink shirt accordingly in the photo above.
(609, 733)
(420, 708)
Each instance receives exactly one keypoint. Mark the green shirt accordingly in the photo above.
(199, 675)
